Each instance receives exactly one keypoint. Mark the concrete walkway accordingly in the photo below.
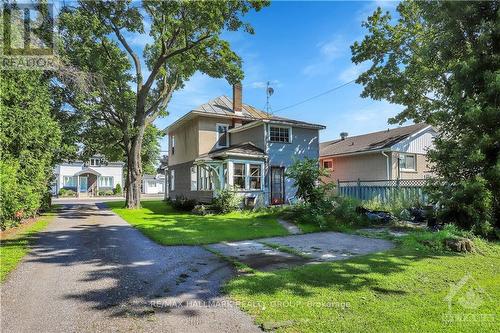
(268, 254)
(90, 271)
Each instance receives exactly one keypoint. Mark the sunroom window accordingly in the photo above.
(255, 177)
(239, 175)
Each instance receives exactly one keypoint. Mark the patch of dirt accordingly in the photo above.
(11, 232)
(265, 262)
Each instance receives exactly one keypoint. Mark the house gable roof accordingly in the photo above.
(369, 142)
(247, 149)
(222, 106)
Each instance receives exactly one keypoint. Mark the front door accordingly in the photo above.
(83, 184)
(277, 185)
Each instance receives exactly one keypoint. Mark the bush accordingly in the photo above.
(117, 190)
(65, 192)
(306, 175)
(397, 206)
(227, 201)
(333, 213)
(468, 204)
(184, 204)
(105, 192)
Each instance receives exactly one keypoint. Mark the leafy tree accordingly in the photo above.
(440, 59)
(125, 97)
(307, 175)
(30, 140)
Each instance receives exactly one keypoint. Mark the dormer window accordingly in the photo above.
(95, 162)
(222, 137)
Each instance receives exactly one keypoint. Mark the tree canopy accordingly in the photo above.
(126, 90)
(441, 61)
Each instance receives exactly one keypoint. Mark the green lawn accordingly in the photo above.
(402, 290)
(166, 226)
(15, 247)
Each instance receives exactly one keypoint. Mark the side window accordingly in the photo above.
(327, 164)
(194, 178)
(172, 144)
(222, 137)
(279, 134)
(172, 180)
(407, 162)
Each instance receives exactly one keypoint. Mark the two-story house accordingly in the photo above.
(227, 144)
(87, 178)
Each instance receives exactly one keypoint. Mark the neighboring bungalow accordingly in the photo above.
(398, 153)
(88, 178)
(227, 144)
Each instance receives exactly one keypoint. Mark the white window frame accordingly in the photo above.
(218, 135)
(172, 180)
(172, 144)
(65, 182)
(290, 136)
(327, 161)
(106, 181)
(95, 161)
(249, 176)
(246, 175)
(194, 182)
(403, 156)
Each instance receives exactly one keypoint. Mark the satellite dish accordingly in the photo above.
(270, 91)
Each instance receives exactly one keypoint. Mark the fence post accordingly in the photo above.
(358, 189)
(338, 187)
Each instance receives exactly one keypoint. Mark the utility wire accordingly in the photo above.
(316, 96)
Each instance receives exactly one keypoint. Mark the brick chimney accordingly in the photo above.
(237, 98)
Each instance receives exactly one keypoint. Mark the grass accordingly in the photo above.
(164, 225)
(15, 246)
(403, 289)
(286, 249)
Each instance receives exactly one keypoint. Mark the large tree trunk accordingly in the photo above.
(134, 170)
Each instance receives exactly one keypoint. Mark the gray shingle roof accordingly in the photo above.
(368, 142)
(247, 148)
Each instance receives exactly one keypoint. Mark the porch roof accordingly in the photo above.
(247, 149)
(87, 170)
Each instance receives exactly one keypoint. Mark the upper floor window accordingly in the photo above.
(407, 162)
(95, 162)
(327, 164)
(172, 143)
(279, 134)
(222, 137)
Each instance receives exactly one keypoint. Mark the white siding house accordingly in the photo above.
(88, 178)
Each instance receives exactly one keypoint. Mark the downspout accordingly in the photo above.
(387, 164)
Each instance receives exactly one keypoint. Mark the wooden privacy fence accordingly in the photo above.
(384, 190)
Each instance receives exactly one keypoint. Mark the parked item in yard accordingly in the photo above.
(376, 215)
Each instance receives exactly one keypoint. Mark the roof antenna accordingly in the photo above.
(269, 93)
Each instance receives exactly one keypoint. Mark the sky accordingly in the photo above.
(303, 49)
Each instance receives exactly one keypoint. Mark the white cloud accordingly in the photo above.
(263, 84)
(352, 72)
(328, 52)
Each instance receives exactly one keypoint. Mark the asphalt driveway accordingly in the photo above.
(90, 271)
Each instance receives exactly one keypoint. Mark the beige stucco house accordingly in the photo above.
(228, 144)
(399, 153)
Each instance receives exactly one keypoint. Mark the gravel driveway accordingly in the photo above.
(90, 271)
